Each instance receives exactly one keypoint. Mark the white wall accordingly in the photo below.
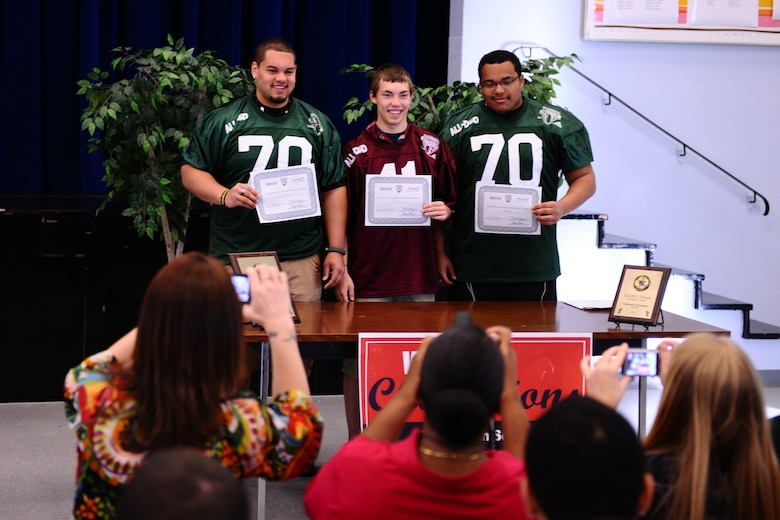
(721, 100)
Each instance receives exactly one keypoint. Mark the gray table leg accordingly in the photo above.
(642, 408)
(265, 355)
(642, 423)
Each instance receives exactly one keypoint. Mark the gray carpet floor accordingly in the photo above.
(38, 461)
(37, 458)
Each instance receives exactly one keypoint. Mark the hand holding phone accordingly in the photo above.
(640, 362)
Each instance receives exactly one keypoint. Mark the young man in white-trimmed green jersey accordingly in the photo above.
(510, 151)
(265, 130)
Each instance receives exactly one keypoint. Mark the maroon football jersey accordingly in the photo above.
(392, 260)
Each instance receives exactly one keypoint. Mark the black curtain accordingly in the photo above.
(46, 46)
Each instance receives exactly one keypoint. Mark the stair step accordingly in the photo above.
(585, 215)
(751, 329)
(761, 330)
(682, 273)
(715, 301)
(611, 241)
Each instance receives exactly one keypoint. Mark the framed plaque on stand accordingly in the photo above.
(639, 295)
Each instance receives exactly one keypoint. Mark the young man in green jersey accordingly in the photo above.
(266, 130)
(510, 151)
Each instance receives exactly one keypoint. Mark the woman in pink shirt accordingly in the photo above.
(461, 379)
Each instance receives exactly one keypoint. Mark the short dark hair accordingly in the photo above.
(392, 73)
(179, 484)
(273, 44)
(500, 56)
(584, 461)
(461, 381)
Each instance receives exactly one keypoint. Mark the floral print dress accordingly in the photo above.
(274, 441)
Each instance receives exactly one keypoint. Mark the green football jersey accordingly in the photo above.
(530, 148)
(239, 138)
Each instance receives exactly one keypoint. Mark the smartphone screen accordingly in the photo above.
(641, 363)
(241, 285)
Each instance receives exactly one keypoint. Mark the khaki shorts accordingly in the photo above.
(304, 276)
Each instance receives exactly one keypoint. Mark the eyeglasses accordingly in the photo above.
(490, 85)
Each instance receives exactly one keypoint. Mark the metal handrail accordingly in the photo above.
(685, 147)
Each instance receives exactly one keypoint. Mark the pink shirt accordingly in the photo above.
(379, 480)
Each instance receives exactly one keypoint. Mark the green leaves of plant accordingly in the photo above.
(432, 104)
(141, 122)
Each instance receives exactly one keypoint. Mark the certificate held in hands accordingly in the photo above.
(397, 200)
(286, 193)
(506, 209)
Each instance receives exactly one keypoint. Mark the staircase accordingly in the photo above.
(592, 262)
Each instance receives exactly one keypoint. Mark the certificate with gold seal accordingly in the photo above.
(639, 295)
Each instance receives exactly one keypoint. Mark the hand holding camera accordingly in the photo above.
(267, 294)
(604, 380)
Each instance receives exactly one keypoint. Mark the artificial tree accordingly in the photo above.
(142, 123)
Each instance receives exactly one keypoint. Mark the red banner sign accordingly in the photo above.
(548, 369)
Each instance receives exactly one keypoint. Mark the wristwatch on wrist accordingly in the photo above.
(335, 250)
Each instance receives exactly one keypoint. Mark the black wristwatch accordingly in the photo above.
(335, 250)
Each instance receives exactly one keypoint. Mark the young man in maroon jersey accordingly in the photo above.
(401, 189)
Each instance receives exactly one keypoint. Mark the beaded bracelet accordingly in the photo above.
(222, 199)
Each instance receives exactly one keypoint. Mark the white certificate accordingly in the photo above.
(286, 193)
(505, 209)
(397, 200)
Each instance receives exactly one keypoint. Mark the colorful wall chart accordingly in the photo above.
(729, 22)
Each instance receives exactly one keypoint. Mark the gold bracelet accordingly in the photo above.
(224, 195)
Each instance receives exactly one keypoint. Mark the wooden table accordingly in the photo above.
(335, 322)
(330, 329)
